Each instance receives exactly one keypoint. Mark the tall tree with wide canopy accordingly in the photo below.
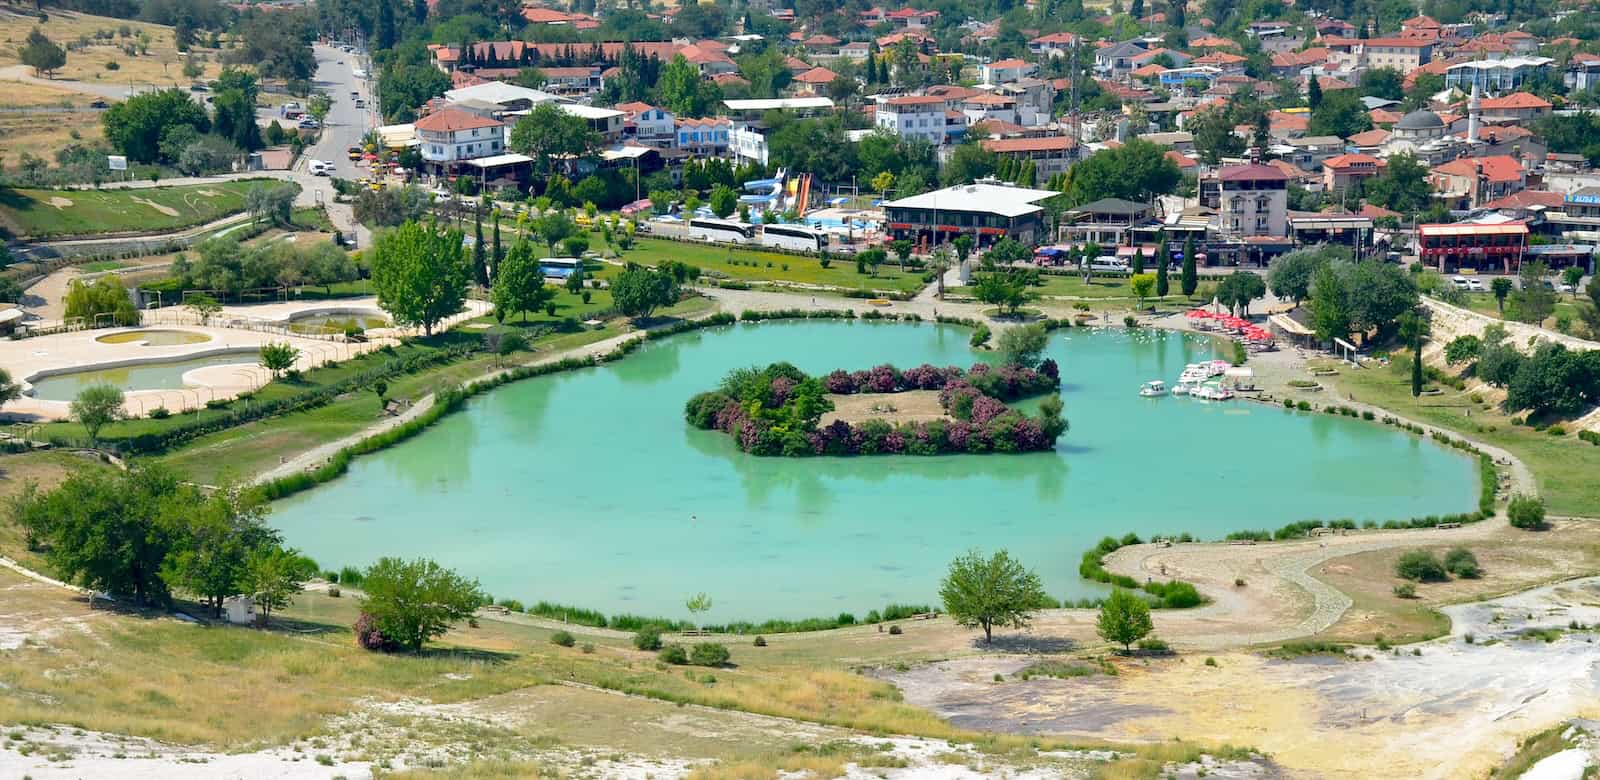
(985, 592)
(519, 284)
(136, 125)
(1136, 171)
(548, 134)
(420, 274)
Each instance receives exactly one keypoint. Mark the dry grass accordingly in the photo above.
(1512, 560)
(43, 133)
(161, 66)
(46, 469)
(15, 94)
(910, 406)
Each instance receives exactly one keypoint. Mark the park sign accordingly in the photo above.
(116, 162)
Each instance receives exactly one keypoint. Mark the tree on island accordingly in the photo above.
(1124, 619)
(639, 291)
(420, 274)
(981, 592)
(1022, 345)
(95, 406)
(410, 602)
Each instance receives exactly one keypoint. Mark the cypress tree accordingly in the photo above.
(499, 254)
(1189, 282)
(1138, 260)
(479, 270)
(1313, 93)
(1163, 259)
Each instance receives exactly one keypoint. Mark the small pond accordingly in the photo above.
(165, 375)
(337, 322)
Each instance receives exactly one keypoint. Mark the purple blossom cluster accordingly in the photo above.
(887, 379)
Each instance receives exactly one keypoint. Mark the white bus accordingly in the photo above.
(794, 237)
(559, 267)
(721, 230)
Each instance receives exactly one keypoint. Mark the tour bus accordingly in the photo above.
(721, 230)
(559, 267)
(794, 237)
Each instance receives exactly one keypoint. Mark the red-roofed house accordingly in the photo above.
(1341, 172)
(1185, 164)
(1211, 42)
(1369, 140)
(1053, 45)
(709, 60)
(1515, 107)
(451, 135)
(910, 18)
(1050, 155)
(1383, 116)
(814, 81)
(1007, 71)
(647, 124)
(1474, 181)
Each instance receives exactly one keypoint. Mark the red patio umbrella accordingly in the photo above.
(1197, 314)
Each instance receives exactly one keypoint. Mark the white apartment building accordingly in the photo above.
(914, 116)
(453, 135)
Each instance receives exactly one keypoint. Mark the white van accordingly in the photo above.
(320, 167)
(1109, 263)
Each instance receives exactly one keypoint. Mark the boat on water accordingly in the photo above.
(1182, 388)
(1217, 367)
(1154, 388)
(1211, 391)
(1194, 374)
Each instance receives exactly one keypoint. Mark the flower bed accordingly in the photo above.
(777, 411)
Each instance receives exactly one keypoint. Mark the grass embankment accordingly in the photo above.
(42, 214)
(1564, 466)
(242, 451)
(749, 265)
(1567, 307)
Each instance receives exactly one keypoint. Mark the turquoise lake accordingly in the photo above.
(588, 487)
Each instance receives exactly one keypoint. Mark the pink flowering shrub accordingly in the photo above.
(840, 382)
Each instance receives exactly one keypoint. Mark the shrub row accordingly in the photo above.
(1173, 594)
(1589, 436)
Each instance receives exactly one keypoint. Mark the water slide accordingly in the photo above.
(764, 192)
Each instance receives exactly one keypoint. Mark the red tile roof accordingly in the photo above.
(1517, 100)
(1252, 172)
(1351, 161)
(1497, 168)
(450, 120)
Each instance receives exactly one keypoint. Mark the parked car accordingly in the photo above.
(1475, 284)
(1459, 281)
(197, 87)
(354, 152)
(98, 104)
(320, 167)
(309, 124)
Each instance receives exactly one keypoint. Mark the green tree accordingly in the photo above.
(212, 544)
(1022, 345)
(1136, 171)
(1340, 114)
(1402, 185)
(106, 530)
(724, 201)
(1124, 619)
(318, 106)
(1329, 316)
(963, 244)
(1138, 261)
(698, 605)
(136, 126)
(554, 228)
(9, 390)
(1142, 285)
(1291, 274)
(985, 592)
(1526, 512)
(1313, 94)
(1386, 83)
(681, 90)
(1533, 301)
(275, 203)
(273, 576)
(638, 292)
(1238, 289)
(203, 306)
(480, 263)
(1571, 276)
(519, 286)
(420, 274)
(1189, 279)
(902, 250)
(411, 602)
(1213, 133)
(548, 134)
(1005, 288)
(279, 357)
(1413, 329)
(94, 407)
(1162, 261)
(41, 54)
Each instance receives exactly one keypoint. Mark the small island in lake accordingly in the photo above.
(926, 410)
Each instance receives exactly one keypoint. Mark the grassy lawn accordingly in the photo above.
(1564, 465)
(48, 213)
(758, 266)
(243, 451)
(1566, 304)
